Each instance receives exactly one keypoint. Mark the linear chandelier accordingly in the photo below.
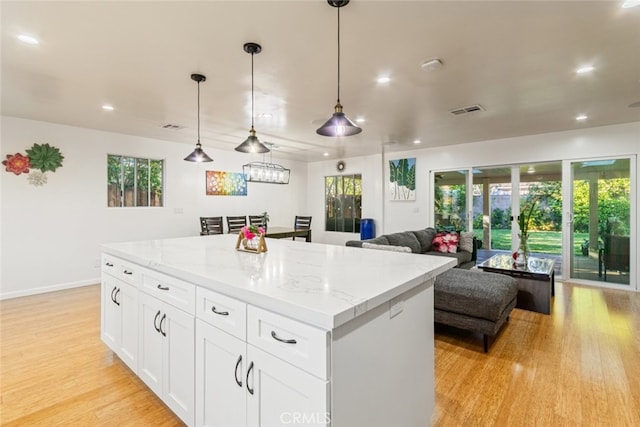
(266, 172)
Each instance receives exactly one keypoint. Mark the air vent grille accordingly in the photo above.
(466, 110)
(171, 126)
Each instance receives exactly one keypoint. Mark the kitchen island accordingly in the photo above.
(304, 334)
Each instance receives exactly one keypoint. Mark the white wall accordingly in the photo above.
(51, 235)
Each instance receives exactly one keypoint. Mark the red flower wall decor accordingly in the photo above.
(17, 163)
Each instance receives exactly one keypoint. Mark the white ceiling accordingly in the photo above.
(515, 58)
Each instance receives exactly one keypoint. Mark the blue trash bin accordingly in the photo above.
(367, 229)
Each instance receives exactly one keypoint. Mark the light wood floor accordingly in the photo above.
(579, 366)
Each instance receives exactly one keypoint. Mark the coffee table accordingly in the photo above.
(536, 280)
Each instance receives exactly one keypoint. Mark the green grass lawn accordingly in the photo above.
(548, 242)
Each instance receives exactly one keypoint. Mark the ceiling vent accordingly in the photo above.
(171, 126)
(466, 110)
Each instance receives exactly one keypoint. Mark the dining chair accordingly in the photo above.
(302, 223)
(235, 223)
(210, 225)
(258, 220)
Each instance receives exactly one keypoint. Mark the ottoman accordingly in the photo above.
(474, 300)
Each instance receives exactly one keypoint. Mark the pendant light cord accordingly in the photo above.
(338, 54)
(252, 112)
(198, 113)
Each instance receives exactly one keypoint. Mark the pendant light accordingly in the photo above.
(198, 155)
(339, 124)
(252, 144)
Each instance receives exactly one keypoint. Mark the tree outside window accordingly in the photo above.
(133, 182)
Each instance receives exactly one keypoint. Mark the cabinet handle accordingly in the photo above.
(115, 297)
(127, 272)
(277, 338)
(221, 313)
(163, 288)
(236, 372)
(164, 316)
(108, 264)
(155, 320)
(248, 372)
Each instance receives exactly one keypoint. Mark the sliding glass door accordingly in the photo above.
(600, 219)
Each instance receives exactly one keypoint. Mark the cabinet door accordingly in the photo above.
(284, 394)
(110, 316)
(220, 378)
(150, 342)
(128, 300)
(178, 331)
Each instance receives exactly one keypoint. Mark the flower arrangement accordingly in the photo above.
(251, 231)
(523, 223)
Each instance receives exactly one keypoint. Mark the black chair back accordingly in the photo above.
(210, 225)
(235, 223)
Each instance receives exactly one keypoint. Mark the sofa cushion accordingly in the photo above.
(445, 242)
(474, 293)
(380, 240)
(425, 237)
(391, 248)
(466, 241)
(406, 238)
(461, 257)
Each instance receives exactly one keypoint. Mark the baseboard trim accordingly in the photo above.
(46, 289)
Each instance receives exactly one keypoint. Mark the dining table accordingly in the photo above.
(278, 232)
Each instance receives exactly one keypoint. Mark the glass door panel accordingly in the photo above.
(450, 200)
(541, 209)
(492, 193)
(601, 225)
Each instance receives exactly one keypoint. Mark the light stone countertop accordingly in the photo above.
(323, 285)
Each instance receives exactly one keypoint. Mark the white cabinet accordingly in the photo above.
(119, 319)
(166, 353)
(282, 394)
(238, 384)
(221, 363)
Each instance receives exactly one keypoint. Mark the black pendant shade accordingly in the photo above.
(252, 144)
(339, 124)
(198, 155)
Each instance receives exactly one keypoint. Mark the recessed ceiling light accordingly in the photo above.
(586, 69)
(417, 141)
(25, 38)
(325, 154)
(107, 107)
(581, 118)
(383, 79)
(630, 3)
(360, 120)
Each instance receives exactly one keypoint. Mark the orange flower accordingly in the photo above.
(17, 163)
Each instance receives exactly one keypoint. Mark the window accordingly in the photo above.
(343, 203)
(134, 182)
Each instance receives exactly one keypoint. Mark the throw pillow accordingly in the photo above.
(445, 242)
(387, 247)
(466, 241)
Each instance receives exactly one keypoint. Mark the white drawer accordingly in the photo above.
(223, 312)
(304, 346)
(121, 269)
(173, 291)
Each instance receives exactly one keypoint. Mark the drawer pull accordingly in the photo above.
(248, 372)
(127, 272)
(108, 264)
(163, 288)
(277, 338)
(236, 373)
(221, 313)
(115, 297)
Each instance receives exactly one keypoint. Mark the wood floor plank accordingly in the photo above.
(579, 366)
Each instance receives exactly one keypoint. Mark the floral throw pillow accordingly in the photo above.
(445, 242)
